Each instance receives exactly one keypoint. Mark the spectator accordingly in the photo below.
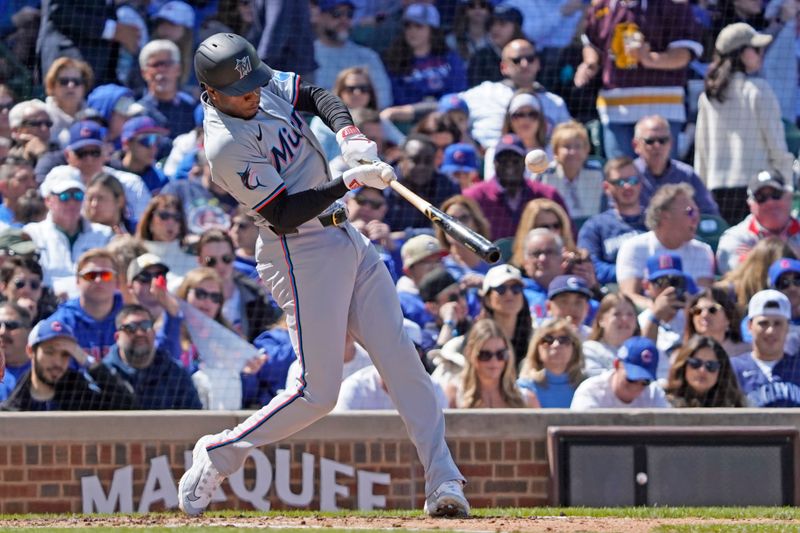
(464, 264)
(737, 138)
(652, 142)
(631, 384)
(769, 197)
(443, 131)
(614, 323)
(784, 276)
(160, 62)
(489, 376)
(768, 376)
(505, 26)
(232, 16)
(543, 251)
(701, 376)
(446, 305)
(105, 204)
(7, 380)
(642, 52)
(30, 125)
(140, 142)
(16, 178)
(672, 218)
(334, 51)
(455, 108)
(158, 381)
(603, 234)
(541, 213)
(175, 21)
(366, 212)
(568, 297)
(15, 322)
(54, 384)
(470, 31)
(21, 278)
(418, 61)
(244, 234)
(460, 164)
(162, 229)
(15, 242)
(30, 208)
(504, 302)
(283, 36)
(713, 314)
(552, 367)
(503, 197)
(65, 235)
(488, 102)
(114, 105)
(418, 173)
(66, 84)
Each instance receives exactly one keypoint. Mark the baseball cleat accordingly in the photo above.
(447, 500)
(198, 484)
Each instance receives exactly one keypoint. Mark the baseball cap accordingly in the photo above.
(143, 262)
(142, 124)
(48, 329)
(60, 179)
(524, 100)
(17, 242)
(769, 302)
(418, 248)
(176, 12)
(568, 283)
(508, 13)
(459, 157)
(425, 14)
(738, 35)
(500, 275)
(659, 265)
(433, 283)
(639, 356)
(452, 102)
(781, 267)
(85, 133)
(767, 178)
(328, 5)
(509, 143)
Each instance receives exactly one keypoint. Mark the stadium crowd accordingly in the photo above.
(654, 263)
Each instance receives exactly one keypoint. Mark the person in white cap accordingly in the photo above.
(768, 376)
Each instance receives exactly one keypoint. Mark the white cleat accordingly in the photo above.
(447, 500)
(198, 484)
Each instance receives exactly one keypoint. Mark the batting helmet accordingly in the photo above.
(228, 63)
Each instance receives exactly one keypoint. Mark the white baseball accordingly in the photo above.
(537, 161)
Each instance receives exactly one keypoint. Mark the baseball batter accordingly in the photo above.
(322, 272)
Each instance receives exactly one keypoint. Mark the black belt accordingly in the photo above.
(336, 218)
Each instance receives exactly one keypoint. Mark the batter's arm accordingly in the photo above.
(290, 210)
(324, 104)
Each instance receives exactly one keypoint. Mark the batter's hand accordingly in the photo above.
(377, 175)
(355, 146)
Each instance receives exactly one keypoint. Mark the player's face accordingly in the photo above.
(13, 336)
(492, 369)
(51, 359)
(244, 106)
(708, 318)
(207, 297)
(101, 206)
(701, 379)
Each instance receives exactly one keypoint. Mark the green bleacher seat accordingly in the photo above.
(710, 229)
(506, 245)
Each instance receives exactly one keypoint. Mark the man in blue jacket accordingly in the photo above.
(158, 381)
(768, 376)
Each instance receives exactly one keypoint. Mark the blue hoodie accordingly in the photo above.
(96, 337)
(103, 98)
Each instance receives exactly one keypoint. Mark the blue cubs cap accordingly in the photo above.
(509, 143)
(330, 5)
(138, 125)
(639, 355)
(459, 157)
(424, 14)
(86, 133)
(452, 102)
(47, 329)
(508, 13)
(664, 265)
(781, 267)
(568, 283)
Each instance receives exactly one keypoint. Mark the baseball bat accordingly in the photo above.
(472, 240)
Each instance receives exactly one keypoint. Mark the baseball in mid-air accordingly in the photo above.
(536, 161)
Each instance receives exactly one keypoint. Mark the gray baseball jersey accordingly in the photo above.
(328, 280)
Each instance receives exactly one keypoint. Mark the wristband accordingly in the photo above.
(347, 131)
(650, 317)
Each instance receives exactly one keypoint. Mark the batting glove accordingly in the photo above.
(355, 146)
(377, 175)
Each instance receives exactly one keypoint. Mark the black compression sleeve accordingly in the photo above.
(324, 104)
(287, 211)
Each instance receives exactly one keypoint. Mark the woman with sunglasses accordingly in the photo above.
(553, 364)
(21, 282)
(714, 314)
(615, 322)
(66, 84)
(504, 302)
(162, 229)
(470, 28)
(701, 376)
(489, 376)
(105, 204)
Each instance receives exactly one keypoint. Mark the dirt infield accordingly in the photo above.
(484, 523)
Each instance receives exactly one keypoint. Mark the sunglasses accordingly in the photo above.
(556, 226)
(10, 325)
(525, 114)
(64, 82)
(563, 340)
(148, 276)
(784, 282)
(168, 215)
(762, 196)
(34, 284)
(365, 89)
(161, 64)
(93, 275)
(37, 123)
(690, 211)
(341, 13)
(374, 204)
(517, 60)
(539, 253)
(710, 366)
(456, 296)
(679, 282)
(132, 327)
(478, 5)
(712, 309)
(486, 355)
(515, 288)
(148, 141)
(212, 261)
(202, 294)
(621, 182)
(642, 382)
(650, 141)
(66, 196)
(92, 152)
